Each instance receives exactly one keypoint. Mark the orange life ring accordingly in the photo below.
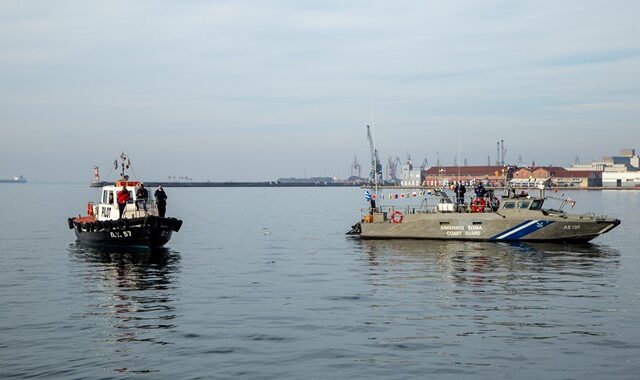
(90, 208)
(478, 205)
(397, 217)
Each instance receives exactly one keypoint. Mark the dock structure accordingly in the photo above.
(241, 184)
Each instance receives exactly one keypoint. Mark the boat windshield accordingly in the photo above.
(523, 205)
(509, 205)
(536, 204)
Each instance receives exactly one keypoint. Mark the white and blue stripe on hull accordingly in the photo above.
(521, 230)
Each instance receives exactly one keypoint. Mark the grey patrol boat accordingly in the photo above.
(515, 217)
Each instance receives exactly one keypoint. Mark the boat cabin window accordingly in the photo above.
(523, 205)
(536, 205)
(107, 197)
(509, 205)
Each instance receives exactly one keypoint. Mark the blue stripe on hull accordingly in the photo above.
(526, 231)
(495, 237)
(522, 230)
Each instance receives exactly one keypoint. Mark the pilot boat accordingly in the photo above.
(514, 217)
(137, 227)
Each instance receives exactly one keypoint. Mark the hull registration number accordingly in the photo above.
(120, 234)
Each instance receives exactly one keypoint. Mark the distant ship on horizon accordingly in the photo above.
(16, 179)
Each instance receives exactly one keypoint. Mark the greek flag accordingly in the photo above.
(367, 195)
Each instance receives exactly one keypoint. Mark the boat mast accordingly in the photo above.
(125, 164)
(376, 167)
(458, 161)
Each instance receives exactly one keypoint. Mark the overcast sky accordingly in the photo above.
(252, 90)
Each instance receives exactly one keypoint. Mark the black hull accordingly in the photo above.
(151, 232)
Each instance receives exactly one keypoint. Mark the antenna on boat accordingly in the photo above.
(457, 161)
(376, 166)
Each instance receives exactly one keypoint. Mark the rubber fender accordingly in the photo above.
(70, 221)
(123, 224)
(177, 224)
(152, 222)
(99, 225)
(77, 226)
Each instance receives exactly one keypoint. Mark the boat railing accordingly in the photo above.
(435, 205)
(131, 211)
(405, 209)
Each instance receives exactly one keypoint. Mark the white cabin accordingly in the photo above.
(107, 208)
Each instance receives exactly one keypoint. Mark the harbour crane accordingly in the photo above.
(376, 167)
(355, 168)
(392, 167)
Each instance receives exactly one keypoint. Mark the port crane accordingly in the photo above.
(392, 168)
(376, 167)
(355, 168)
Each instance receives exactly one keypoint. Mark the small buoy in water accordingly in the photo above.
(265, 231)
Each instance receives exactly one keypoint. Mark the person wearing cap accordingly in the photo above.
(161, 201)
(141, 197)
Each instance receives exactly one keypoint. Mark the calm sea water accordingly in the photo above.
(262, 283)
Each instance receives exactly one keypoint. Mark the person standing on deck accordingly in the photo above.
(161, 201)
(141, 197)
(460, 190)
(480, 191)
(123, 198)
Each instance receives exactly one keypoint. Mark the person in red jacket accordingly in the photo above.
(123, 198)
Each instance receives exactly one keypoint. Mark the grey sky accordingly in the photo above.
(264, 89)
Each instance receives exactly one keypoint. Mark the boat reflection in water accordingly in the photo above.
(459, 308)
(505, 263)
(131, 295)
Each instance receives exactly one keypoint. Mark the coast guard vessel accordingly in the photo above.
(137, 227)
(514, 217)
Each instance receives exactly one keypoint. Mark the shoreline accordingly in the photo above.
(337, 184)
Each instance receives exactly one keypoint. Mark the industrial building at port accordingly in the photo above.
(620, 171)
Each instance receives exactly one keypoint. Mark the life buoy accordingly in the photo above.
(90, 208)
(397, 217)
(478, 205)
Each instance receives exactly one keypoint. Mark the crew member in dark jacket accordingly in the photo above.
(123, 198)
(480, 190)
(141, 197)
(460, 190)
(161, 201)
